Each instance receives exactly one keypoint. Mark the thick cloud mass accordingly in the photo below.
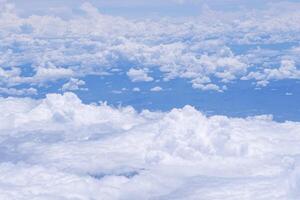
(60, 148)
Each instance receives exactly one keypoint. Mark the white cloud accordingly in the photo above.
(208, 86)
(287, 70)
(52, 73)
(109, 153)
(156, 89)
(56, 144)
(73, 84)
(138, 75)
(56, 48)
(18, 92)
(136, 89)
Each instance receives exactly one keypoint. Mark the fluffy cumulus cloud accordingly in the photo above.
(136, 89)
(73, 85)
(137, 75)
(156, 89)
(60, 148)
(36, 50)
(287, 70)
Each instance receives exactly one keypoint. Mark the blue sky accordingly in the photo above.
(236, 58)
(141, 8)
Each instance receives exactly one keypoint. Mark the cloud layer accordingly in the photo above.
(210, 51)
(60, 148)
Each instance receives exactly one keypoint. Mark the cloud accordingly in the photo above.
(136, 89)
(73, 85)
(208, 86)
(287, 70)
(139, 75)
(52, 48)
(52, 73)
(55, 144)
(51, 146)
(156, 89)
(18, 92)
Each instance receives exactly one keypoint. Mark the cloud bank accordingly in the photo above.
(60, 148)
(211, 51)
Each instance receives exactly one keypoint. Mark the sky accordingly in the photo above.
(142, 8)
(134, 99)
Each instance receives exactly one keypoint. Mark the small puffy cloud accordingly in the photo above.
(287, 70)
(204, 83)
(52, 73)
(73, 84)
(43, 74)
(139, 75)
(136, 89)
(117, 91)
(205, 87)
(156, 89)
(288, 94)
